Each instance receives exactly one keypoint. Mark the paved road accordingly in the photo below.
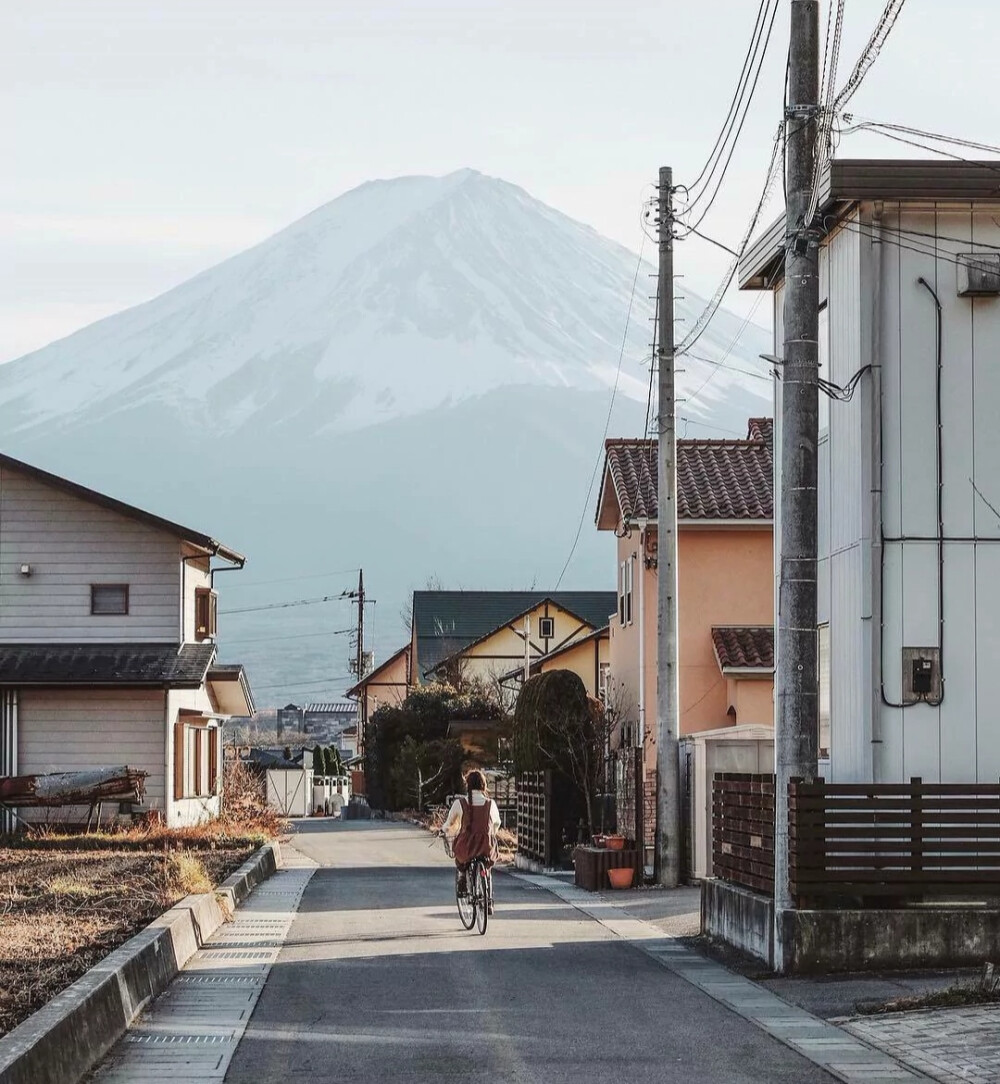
(377, 982)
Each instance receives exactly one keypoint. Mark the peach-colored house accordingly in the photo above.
(725, 577)
(386, 684)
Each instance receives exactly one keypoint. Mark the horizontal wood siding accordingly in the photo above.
(63, 730)
(69, 545)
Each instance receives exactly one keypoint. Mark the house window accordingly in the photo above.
(603, 670)
(625, 592)
(546, 627)
(108, 599)
(824, 691)
(206, 613)
(196, 759)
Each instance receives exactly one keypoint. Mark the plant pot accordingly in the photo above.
(597, 841)
(621, 878)
(614, 843)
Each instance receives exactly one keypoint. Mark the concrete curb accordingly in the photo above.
(66, 1038)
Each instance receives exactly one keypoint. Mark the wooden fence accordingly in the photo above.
(743, 829)
(861, 841)
(905, 840)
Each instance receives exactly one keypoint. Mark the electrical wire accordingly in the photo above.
(958, 141)
(705, 318)
(824, 131)
(290, 605)
(298, 579)
(236, 638)
(869, 54)
(732, 147)
(611, 406)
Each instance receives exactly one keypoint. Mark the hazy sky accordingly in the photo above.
(144, 141)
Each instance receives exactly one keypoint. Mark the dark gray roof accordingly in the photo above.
(338, 707)
(447, 621)
(186, 534)
(159, 665)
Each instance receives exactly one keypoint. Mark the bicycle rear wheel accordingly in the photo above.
(466, 904)
(482, 897)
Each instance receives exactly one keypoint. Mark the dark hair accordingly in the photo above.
(475, 780)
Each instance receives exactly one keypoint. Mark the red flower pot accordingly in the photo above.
(621, 878)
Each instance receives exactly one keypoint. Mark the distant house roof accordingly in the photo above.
(351, 732)
(185, 534)
(598, 634)
(445, 622)
(744, 648)
(338, 707)
(159, 665)
(370, 678)
(716, 479)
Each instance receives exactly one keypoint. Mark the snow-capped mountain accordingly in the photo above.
(414, 378)
(396, 297)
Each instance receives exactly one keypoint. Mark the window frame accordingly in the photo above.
(123, 587)
(206, 597)
(546, 622)
(197, 742)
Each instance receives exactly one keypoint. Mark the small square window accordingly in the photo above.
(546, 627)
(108, 599)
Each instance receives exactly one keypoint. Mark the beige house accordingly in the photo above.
(589, 657)
(500, 657)
(725, 582)
(389, 683)
(107, 643)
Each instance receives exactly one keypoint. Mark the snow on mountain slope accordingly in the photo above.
(392, 299)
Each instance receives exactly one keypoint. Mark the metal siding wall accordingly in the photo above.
(849, 754)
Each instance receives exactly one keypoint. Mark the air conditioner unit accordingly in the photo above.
(978, 274)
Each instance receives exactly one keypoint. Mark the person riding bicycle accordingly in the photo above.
(471, 827)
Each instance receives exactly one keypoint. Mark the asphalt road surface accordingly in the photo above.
(378, 983)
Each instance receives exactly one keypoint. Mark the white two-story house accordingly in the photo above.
(107, 644)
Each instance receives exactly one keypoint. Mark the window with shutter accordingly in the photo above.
(206, 611)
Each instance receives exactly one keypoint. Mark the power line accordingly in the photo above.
(718, 181)
(611, 405)
(958, 141)
(293, 636)
(870, 53)
(289, 605)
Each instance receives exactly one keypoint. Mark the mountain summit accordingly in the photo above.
(394, 298)
(414, 378)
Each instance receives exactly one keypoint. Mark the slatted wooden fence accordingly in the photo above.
(907, 840)
(743, 829)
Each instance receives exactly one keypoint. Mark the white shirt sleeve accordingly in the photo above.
(495, 821)
(453, 822)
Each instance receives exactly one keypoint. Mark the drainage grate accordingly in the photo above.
(182, 1039)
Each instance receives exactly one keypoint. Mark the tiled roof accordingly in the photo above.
(716, 479)
(445, 622)
(160, 665)
(750, 648)
(339, 707)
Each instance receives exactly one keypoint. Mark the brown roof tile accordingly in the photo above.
(748, 648)
(716, 479)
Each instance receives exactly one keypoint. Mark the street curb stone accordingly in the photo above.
(840, 1054)
(66, 1038)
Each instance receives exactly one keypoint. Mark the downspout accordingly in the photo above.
(877, 530)
(642, 643)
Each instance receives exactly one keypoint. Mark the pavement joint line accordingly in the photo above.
(827, 1049)
(172, 1040)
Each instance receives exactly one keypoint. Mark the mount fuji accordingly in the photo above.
(414, 378)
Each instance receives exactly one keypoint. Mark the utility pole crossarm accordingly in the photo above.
(667, 851)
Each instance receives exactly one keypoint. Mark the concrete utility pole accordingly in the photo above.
(361, 624)
(667, 855)
(796, 740)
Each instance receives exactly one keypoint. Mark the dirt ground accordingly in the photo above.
(66, 904)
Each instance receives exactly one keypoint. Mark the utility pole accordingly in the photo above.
(796, 737)
(361, 624)
(667, 852)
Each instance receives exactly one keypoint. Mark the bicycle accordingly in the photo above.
(473, 904)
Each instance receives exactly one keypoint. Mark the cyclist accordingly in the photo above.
(471, 828)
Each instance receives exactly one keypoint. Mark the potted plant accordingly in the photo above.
(622, 877)
(614, 843)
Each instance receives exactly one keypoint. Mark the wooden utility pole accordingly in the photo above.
(796, 737)
(667, 852)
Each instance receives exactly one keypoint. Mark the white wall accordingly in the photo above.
(73, 729)
(182, 812)
(958, 741)
(70, 544)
